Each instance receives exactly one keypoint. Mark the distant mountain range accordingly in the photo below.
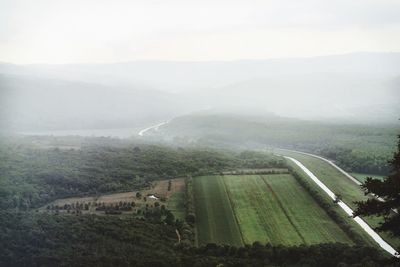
(361, 87)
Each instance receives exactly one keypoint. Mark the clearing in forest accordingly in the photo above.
(169, 193)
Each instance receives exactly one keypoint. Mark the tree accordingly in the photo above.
(191, 218)
(337, 199)
(169, 185)
(170, 218)
(387, 190)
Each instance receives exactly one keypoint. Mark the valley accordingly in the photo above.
(240, 133)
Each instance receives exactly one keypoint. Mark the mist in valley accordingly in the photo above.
(199, 133)
(76, 66)
(350, 88)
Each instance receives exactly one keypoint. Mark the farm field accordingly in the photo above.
(266, 208)
(215, 220)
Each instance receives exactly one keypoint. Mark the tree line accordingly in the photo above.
(35, 239)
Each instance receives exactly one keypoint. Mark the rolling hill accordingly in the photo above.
(361, 87)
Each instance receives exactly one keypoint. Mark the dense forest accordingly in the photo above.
(357, 159)
(34, 171)
(35, 239)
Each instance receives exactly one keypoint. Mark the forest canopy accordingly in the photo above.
(34, 171)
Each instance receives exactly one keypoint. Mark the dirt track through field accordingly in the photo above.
(283, 209)
(233, 208)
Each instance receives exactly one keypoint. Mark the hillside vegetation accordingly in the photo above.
(355, 147)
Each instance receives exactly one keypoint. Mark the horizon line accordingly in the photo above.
(197, 61)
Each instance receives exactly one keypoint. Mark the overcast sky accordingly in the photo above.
(58, 31)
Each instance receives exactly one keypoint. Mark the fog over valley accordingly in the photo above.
(227, 133)
(357, 88)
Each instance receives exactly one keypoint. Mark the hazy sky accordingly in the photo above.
(58, 31)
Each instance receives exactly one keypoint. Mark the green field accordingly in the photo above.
(176, 204)
(362, 176)
(265, 208)
(215, 220)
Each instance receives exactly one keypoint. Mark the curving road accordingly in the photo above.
(155, 127)
(382, 243)
(331, 163)
(338, 168)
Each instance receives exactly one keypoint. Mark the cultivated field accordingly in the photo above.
(215, 220)
(265, 208)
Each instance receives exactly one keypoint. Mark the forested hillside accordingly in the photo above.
(355, 147)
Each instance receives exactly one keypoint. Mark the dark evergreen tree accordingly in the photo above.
(170, 218)
(387, 190)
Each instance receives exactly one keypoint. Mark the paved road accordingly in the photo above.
(348, 210)
(339, 169)
(331, 163)
(155, 127)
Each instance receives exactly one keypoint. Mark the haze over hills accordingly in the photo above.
(190, 75)
(360, 87)
(199, 133)
(35, 104)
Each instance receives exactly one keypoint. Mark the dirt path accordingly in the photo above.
(178, 235)
(232, 207)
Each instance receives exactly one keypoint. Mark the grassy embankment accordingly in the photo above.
(342, 185)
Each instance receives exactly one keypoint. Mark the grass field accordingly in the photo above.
(266, 208)
(362, 176)
(176, 204)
